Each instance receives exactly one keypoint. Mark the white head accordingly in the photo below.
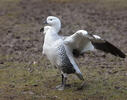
(46, 28)
(84, 32)
(54, 22)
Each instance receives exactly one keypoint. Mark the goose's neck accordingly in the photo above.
(55, 30)
(51, 35)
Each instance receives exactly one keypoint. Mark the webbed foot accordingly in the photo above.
(60, 87)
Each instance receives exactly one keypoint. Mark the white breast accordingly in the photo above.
(52, 52)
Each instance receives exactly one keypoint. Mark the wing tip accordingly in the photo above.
(109, 48)
(122, 55)
(118, 52)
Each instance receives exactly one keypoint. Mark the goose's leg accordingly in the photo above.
(62, 86)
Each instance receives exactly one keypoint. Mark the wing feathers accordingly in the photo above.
(81, 42)
(109, 48)
(105, 46)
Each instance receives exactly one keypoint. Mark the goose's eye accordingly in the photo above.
(50, 19)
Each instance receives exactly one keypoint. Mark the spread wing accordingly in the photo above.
(81, 41)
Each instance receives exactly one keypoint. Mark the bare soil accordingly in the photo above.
(25, 74)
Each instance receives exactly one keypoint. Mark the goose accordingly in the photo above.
(62, 50)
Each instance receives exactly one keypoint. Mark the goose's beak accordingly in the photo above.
(42, 29)
(45, 22)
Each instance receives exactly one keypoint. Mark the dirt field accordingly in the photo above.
(27, 75)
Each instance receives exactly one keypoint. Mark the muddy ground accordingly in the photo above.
(25, 74)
